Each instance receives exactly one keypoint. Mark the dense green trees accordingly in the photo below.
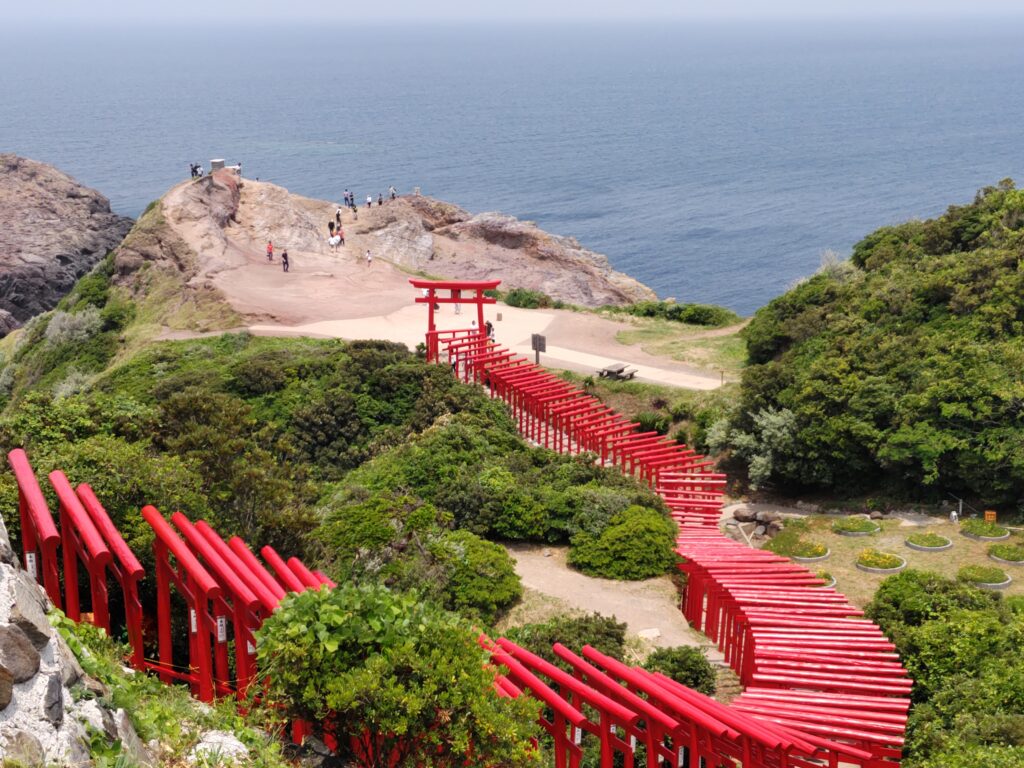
(961, 646)
(394, 679)
(901, 367)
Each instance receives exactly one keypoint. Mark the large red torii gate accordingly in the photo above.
(459, 292)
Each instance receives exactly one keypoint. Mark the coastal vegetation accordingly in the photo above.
(960, 645)
(898, 370)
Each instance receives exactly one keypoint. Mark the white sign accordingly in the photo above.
(577, 736)
(250, 647)
(193, 620)
(30, 564)
(632, 743)
(222, 629)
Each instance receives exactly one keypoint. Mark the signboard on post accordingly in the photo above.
(539, 344)
(990, 515)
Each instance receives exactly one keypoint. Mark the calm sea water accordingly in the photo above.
(715, 163)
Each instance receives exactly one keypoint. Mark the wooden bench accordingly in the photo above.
(617, 371)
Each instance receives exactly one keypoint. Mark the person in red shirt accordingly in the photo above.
(270, 251)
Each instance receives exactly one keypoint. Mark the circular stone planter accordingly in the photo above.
(920, 548)
(828, 553)
(827, 586)
(1000, 585)
(1006, 562)
(1004, 537)
(859, 533)
(897, 569)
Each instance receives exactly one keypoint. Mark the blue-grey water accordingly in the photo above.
(713, 162)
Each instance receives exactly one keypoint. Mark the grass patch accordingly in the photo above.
(981, 574)
(689, 344)
(789, 542)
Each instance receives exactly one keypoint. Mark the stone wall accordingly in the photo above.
(41, 722)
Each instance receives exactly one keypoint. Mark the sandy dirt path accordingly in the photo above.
(644, 605)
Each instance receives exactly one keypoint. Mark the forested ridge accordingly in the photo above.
(899, 370)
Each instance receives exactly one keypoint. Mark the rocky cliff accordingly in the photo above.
(52, 231)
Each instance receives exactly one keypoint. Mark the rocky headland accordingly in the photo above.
(52, 231)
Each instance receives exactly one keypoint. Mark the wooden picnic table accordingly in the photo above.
(617, 371)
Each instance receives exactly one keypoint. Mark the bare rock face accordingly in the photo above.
(52, 231)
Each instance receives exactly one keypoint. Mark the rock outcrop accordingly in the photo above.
(41, 721)
(426, 234)
(52, 231)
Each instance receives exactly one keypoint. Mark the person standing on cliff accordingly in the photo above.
(270, 250)
(348, 198)
(330, 227)
(369, 258)
(392, 191)
(284, 261)
(369, 201)
(337, 216)
(340, 233)
(380, 199)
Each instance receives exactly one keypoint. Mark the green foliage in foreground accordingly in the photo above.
(684, 664)
(960, 645)
(157, 711)
(900, 369)
(397, 681)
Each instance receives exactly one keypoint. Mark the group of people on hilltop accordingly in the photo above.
(350, 199)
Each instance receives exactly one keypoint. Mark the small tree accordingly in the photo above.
(398, 682)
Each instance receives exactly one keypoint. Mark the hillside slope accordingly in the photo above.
(902, 368)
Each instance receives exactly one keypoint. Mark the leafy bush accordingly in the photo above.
(872, 558)
(981, 574)
(481, 576)
(527, 299)
(638, 543)
(978, 527)
(67, 328)
(708, 315)
(1012, 552)
(854, 524)
(359, 661)
(927, 540)
(652, 421)
(684, 664)
(898, 368)
(603, 633)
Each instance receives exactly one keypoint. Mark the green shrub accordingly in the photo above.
(928, 540)
(872, 558)
(481, 576)
(708, 315)
(981, 574)
(1011, 552)
(855, 524)
(686, 665)
(637, 544)
(912, 598)
(652, 421)
(353, 661)
(978, 527)
(527, 299)
(603, 633)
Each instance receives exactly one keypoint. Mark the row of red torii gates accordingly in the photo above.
(822, 684)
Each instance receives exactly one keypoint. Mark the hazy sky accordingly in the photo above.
(487, 10)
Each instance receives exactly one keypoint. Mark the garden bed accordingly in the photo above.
(928, 542)
(985, 577)
(1007, 554)
(873, 561)
(979, 530)
(812, 558)
(855, 526)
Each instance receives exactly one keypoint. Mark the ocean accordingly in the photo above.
(714, 162)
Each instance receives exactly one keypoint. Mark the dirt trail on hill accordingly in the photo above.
(646, 606)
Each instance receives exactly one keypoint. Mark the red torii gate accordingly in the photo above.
(459, 292)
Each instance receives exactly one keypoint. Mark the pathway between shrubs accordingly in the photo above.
(643, 605)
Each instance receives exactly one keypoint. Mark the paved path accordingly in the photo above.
(576, 341)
